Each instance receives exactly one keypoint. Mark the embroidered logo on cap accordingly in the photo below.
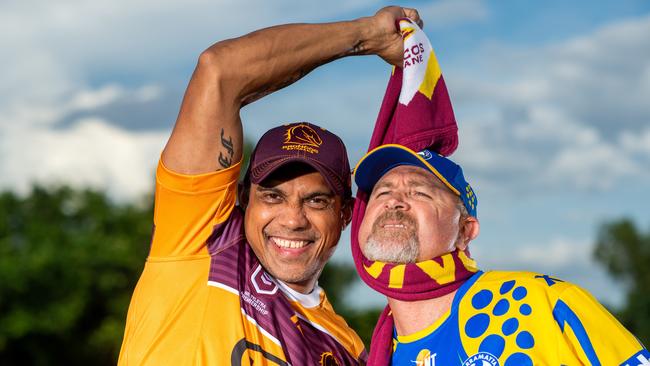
(302, 137)
(425, 154)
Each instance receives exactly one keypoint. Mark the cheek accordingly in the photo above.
(256, 219)
(438, 226)
(366, 224)
(428, 221)
(427, 228)
(327, 224)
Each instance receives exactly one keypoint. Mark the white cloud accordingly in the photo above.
(91, 99)
(91, 153)
(637, 142)
(564, 116)
(597, 166)
(557, 254)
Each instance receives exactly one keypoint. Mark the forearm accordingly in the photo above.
(269, 59)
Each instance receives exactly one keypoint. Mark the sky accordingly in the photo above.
(551, 98)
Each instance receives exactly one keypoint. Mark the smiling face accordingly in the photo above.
(293, 222)
(411, 216)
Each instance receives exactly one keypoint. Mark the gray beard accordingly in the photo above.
(391, 252)
(393, 246)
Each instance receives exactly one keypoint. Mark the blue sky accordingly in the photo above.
(551, 99)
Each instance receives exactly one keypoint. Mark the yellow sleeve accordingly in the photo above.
(187, 207)
(593, 334)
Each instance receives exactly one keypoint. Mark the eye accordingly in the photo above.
(318, 202)
(381, 193)
(422, 194)
(271, 197)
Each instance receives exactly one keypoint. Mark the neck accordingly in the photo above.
(304, 289)
(413, 316)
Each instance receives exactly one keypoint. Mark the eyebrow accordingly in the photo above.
(311, 195)
(319, 194)
(411, 182)
(270, 189)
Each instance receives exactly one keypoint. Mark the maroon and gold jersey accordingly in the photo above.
(204, 299)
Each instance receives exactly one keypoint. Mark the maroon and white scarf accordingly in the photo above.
(417, 113)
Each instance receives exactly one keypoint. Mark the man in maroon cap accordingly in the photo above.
(226, 284)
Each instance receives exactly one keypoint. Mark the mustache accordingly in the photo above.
(392, 215)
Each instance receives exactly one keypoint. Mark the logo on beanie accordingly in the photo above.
(302, 137)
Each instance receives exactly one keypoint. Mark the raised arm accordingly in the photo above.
(232, 73)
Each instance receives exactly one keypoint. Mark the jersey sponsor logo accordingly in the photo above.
(328, 359)
(262, 282)
(302, 137)
(425, 358)
(482, 359)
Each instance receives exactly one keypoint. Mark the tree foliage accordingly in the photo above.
(336, 280)
(69, 261)
(625, 253)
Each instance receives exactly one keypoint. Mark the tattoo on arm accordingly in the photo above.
(357, 49)
(226, 160)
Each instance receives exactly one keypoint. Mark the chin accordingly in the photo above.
(299, 277)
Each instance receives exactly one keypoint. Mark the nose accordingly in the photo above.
(396, 201)
(293, 217)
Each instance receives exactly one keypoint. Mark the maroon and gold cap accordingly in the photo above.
(302, 142)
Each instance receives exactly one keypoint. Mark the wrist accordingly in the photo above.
(369, 34)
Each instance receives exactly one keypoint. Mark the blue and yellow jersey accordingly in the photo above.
(521, 319)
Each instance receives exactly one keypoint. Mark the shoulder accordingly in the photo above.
(524, 289)
(519, 282)
(228, 233)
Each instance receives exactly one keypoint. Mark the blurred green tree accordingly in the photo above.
(625, 253)
(69, 260)
(336, 279)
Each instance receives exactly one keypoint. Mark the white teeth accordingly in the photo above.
(394, 226)
(294, 244)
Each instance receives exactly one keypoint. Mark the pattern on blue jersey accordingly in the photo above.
(515, 319)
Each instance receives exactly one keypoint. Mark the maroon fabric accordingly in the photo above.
(306, 143)
(417, 284)
(382, 337)
(422, 123)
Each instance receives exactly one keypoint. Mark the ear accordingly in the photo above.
(469, 230)
(346, 212)
(243, 192)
